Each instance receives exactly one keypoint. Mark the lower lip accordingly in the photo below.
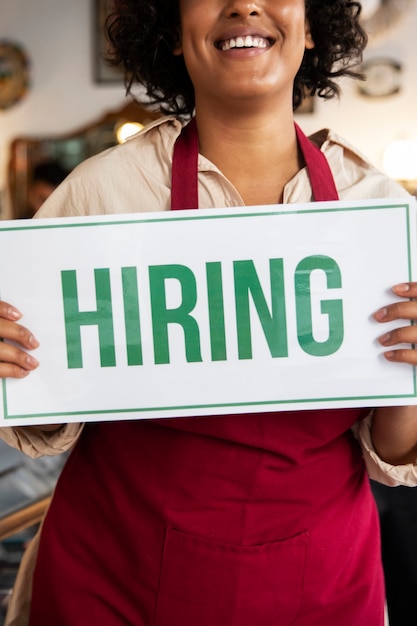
(244, 52)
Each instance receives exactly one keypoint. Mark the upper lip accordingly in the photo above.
(235, 32)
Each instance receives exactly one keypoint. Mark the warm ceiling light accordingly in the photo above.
(124, 130)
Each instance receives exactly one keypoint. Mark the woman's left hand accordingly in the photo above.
(405, 310)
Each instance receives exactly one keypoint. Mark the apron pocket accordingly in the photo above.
(205, 583)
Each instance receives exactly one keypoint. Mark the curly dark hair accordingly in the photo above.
(143, 35)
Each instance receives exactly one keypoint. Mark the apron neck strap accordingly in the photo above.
(184, 184)
(184, 190)
(319, 172)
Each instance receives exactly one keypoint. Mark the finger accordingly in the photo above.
(406, 290)
(11, 370)
(12, 356)
(405, 334)
(9, 312)
(402, 356)
(18, 333)
(398, 310)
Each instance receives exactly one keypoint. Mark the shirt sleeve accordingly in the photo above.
(390, 475)
(35, 443)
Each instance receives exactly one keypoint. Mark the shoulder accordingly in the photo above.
(131, 177)
(355, 176)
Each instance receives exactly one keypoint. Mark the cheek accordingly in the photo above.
(292, 17)
(196, 54)
(190, 29)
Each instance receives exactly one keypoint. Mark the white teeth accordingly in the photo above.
(244, 42)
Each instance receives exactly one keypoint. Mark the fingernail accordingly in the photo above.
(389, 355)
(385, 338)
(381, 314)
(33, 342)
(401, 288)
(13, 313)
(31, 361)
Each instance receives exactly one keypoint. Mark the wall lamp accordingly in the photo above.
(400, 163)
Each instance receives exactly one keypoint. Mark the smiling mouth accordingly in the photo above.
(243, 42)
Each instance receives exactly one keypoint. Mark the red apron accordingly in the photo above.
(240, 520)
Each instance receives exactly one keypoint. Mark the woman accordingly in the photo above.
(233, 520)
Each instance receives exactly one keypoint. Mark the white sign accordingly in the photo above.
(207, 312)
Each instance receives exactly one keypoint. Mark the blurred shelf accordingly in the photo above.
(23, 518)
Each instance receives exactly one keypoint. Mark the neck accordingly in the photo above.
(258, 155)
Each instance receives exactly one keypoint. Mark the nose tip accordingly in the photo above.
(243, 8)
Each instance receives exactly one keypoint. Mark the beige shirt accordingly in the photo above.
(136, 177)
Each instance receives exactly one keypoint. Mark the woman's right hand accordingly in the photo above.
(14, 361)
